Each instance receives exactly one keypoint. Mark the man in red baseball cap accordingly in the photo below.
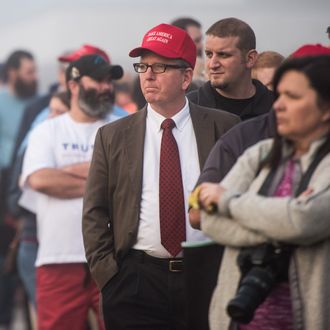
(66, 58)
(168, 41)
(144, 166)
(85, 49)
(311, 50)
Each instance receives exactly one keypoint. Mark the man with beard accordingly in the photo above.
(21, 86)
(20, 77)
(56, 164)
(230, 55)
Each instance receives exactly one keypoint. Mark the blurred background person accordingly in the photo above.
(59, 104)
(50, 104)
(38, 110)
(311, 49)
(21, 82)
(27, 235)
(278, 193)
(2, 76)
(194, 29)
(264, 68)
(124, 94)
(20, 87)
(57, 170)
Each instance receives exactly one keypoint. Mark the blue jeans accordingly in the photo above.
(27, 254)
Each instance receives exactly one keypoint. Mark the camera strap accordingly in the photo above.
(323, 150)
(321, 153)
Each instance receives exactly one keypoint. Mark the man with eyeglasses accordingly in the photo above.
(142, 171)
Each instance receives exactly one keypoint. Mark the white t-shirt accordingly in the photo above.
(53, 144)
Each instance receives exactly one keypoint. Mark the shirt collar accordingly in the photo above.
(181, 118)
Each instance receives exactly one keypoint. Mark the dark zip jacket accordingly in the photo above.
(260, 103)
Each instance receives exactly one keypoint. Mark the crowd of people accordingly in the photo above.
(105, 178)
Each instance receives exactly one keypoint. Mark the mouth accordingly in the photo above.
(280, 121)
(216, 73)
(150, 89)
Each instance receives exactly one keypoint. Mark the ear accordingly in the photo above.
(73, 87)
(187, 78)
(12, 74)
(250, 58)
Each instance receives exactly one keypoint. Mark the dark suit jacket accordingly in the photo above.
(114, 185)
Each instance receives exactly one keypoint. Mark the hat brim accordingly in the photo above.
(67, 58)
(136, 52)
(113, 71)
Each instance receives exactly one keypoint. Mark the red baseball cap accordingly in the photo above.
(82, 51)
(168, 41)
(311, 50)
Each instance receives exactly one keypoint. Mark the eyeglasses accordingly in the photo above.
(156, 67)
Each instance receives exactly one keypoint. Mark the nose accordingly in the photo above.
(278, 104)
(105, 86)
(213, 62)
(149, 74)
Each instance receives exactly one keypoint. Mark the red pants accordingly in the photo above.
(65, 293)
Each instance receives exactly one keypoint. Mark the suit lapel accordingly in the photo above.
(204, 132)
(134, 144)
(134, 141)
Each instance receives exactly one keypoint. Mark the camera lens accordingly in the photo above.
(253, 290)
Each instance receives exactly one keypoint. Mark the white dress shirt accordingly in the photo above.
(148, 238)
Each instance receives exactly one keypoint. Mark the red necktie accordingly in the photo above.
(171, 198)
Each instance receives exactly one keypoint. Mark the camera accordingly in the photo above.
(261, 267)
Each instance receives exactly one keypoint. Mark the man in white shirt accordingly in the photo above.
(56, 164)
(144, 166)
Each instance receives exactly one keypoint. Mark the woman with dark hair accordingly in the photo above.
(273, 213)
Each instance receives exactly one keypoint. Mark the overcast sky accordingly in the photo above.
(49, 27)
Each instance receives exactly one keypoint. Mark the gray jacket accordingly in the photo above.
(256, 219)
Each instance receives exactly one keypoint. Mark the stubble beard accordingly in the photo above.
(220, 85)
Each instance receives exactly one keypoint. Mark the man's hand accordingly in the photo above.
(195, 218)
